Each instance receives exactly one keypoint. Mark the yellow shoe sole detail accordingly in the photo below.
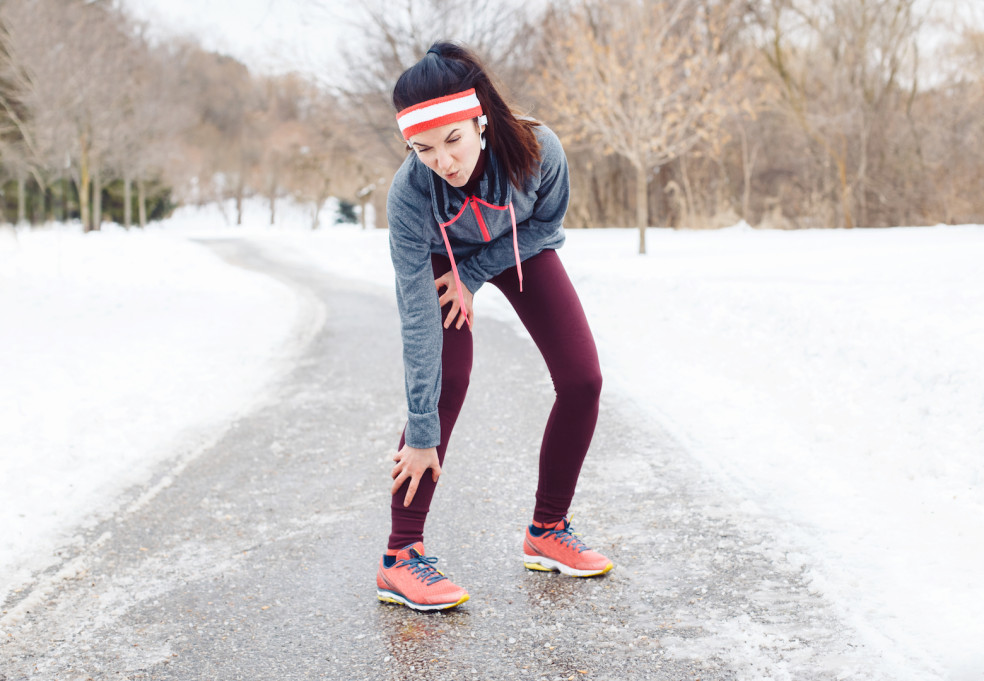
(567, 571)
(537, 566)
(387, 599)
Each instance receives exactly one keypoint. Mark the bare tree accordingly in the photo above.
(949, 120)
(67, 52)
(18, 149)
(845, 69)
(222, 142)
(647, 80)
(281, 134)
(327, 162)
(147, 116)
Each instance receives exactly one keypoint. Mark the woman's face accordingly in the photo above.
(451, 151)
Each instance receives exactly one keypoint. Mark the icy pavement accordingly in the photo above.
(256, 558)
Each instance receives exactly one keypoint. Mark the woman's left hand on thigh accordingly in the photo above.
(450, 295)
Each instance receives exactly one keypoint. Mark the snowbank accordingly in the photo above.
(121, 351)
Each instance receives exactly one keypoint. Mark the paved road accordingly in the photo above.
(256, 559)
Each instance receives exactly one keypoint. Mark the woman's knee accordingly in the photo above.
(583, 385)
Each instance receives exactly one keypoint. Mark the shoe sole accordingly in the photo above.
(541, 564)
(393, 597)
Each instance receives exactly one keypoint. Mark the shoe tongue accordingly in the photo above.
(411, 551)
(559, 525)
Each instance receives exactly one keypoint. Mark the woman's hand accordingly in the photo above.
(451, 295)
(412, 463)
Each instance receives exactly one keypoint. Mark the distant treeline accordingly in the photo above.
(686, 113)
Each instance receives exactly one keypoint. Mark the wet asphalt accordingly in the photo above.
(256, 558)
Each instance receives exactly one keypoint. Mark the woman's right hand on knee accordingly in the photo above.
(412, 463)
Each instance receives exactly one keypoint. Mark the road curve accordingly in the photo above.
(256, 559)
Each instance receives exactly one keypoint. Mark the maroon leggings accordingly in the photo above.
(550, 310)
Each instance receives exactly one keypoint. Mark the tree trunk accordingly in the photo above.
(747, 163)
(862, 179)
(41, 206)
(319, 204)
(845, 192)
(690, 211)
(58, 202)
(239, 202)
(127, 201)
(141, 203)
(363, 209)
(642, 206)
(378, 202)
(83, 188)
(21, 201)
(273, 208)
(96, 199)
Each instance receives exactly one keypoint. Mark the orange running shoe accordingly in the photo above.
(556, 548)
(412, 580)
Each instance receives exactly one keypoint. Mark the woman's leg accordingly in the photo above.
(552, 313)
(456, 363)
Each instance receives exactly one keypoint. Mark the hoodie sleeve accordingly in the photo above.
(544, 229)
(420, 314)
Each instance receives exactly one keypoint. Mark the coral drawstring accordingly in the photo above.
(454, 265)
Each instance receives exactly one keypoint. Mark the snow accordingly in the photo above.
(120, 351)
(833, 379)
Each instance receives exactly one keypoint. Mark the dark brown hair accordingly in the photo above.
(447, 69)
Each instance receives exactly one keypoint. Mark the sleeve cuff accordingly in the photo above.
(469, 280)
(423, 430)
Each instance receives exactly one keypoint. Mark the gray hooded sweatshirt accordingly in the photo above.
(479, 229)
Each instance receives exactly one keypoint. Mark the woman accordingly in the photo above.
(481, 198)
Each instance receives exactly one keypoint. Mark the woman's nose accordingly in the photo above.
(443, 160)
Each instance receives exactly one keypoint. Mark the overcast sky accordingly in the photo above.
(283, 35)
(268, 35)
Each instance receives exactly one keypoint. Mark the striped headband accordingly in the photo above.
(437, 112)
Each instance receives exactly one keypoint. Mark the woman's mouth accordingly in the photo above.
(452, 176)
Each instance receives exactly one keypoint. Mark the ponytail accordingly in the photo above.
(448, 68)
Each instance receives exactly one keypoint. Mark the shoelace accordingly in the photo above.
(565, 535)
(423, 568)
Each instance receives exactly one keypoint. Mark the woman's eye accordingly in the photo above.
(452, 141)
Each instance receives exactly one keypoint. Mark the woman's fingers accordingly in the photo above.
(414, 464)
(415, 481)
(399, 478)
(450, 293)
(452, 314)
(411, 490)
(456, 315)
(466, 309)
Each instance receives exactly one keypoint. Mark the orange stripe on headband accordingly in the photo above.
(437, 112)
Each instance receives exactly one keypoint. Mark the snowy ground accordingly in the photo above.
(120, 350)
(831, 378)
